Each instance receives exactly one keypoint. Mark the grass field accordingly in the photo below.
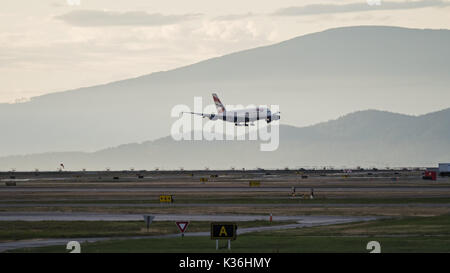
(378, 210)
(408, 234)
(261, 243)
(254, 200)
(19, 230)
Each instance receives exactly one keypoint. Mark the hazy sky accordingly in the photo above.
(55, 45)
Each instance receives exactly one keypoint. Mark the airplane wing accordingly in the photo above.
(200, 114)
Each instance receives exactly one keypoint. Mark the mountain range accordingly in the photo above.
(313, 78)
(369, 138)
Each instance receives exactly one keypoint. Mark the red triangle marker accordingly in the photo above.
(182, 226)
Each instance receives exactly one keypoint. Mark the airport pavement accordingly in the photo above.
(230, 189)
(303, 221)
(220, 205)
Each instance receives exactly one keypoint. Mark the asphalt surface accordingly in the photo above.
(222, 205)
(229, 189)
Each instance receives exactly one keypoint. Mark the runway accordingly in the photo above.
(219, 205)
(229, 189)
(224, 198)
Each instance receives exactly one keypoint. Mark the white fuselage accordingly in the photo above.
(245, 115)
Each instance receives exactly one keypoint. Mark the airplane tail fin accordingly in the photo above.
(219, 105)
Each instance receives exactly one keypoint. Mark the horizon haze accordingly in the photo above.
(313, 78)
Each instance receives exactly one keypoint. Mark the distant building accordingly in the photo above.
(444, 169)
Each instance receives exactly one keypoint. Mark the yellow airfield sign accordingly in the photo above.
(165, 199)
(224, 231)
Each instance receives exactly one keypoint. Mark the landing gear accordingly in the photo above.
(245, 124)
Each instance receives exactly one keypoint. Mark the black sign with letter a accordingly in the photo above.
(226, 231)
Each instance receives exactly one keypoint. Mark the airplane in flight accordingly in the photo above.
(239, 116)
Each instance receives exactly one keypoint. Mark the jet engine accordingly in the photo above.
(271, 117)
